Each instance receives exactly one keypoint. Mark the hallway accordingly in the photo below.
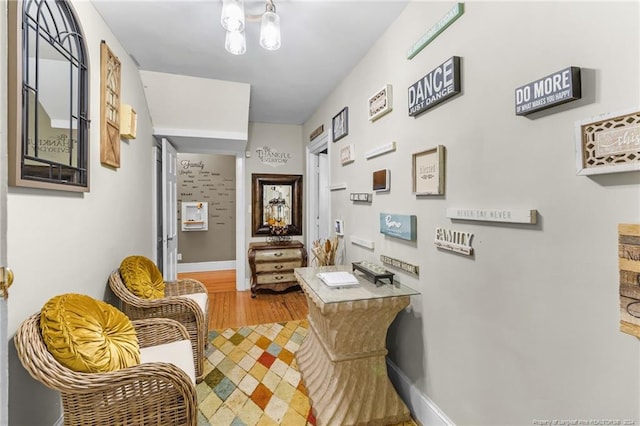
(231, 308)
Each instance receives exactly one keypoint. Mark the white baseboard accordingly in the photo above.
(423, 410)
(206, 266)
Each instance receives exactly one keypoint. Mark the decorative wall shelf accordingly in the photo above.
(382, 149)
(362, 242)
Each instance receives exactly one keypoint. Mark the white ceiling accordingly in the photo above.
(321, 42)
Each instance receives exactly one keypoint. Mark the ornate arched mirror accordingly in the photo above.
(48, 97)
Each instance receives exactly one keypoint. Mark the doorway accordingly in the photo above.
(216, 212)
(318, 217)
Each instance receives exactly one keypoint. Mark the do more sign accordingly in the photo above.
(555, 89)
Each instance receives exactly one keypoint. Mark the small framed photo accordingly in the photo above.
(428, 171)
(339, 227)
(347, 154)
(609, 143)
(382, 180)
(340, 124)
(380, 103)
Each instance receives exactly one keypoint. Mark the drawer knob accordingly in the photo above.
(278, 254)
(279, 266)
(279, 277)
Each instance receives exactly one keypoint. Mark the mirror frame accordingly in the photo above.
(258, 182)
(18, 173)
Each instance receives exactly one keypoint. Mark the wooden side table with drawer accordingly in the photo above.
(272, 265)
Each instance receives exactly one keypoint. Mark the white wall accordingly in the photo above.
(280, 138)
(192, 106)
(527, 328)
(60, 242)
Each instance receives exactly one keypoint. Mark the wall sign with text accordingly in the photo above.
(436, 30)
(558, 88)
(494, 215)
(456, 241)
(629, 263)
(437, 86)
(399, 226)
(400, 264)
(608, 143)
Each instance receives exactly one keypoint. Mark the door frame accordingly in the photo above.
(242, 282)
(169, 211)
(311, 186)
(4, 338)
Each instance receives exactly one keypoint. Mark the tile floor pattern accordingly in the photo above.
(251, 378)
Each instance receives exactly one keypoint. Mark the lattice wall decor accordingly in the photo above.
(609, 143)
(109, 107)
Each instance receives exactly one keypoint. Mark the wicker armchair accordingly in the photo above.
(153, 393)
(174, 306)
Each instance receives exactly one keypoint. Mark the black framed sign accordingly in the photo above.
(555, 89)
(437, 86)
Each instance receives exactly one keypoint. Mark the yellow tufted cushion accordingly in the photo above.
(88, 335)
(142, 277)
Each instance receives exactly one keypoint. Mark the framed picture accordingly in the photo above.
(609, 143)
(276, 199)
(428, 171)
(380, 103)
(339, 227)
(347, 154)
(340, 124)
(382, 180)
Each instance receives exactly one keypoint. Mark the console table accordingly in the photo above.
(342, 359)
(272, 265)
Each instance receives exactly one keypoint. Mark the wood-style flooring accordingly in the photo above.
(231, 308)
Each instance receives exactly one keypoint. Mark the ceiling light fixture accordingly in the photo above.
(233, 20)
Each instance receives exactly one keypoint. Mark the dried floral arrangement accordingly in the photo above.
(324, 252)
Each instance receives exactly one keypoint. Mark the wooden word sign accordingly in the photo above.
(629, 263)
(456, 241)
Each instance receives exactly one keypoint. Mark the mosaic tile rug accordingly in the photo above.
(251, 377)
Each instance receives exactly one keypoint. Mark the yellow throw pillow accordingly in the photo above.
(142, 277)
(88, 335)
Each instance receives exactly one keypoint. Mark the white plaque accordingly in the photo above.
(494, 215)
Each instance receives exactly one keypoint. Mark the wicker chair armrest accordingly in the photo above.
(184, 286)
(123, 293)
(43, 367)
(161, 372)
(158, 331)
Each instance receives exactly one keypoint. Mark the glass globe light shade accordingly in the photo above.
(235, 42)
(232, 18)
(270, 31)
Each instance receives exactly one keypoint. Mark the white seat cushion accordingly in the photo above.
(177, 353)
(199, 298)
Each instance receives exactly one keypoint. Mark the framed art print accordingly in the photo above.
(380, 103)
(428, 171)
(382, 180)
(340, 124)
(347, 154)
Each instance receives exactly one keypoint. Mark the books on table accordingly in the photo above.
(338, 279)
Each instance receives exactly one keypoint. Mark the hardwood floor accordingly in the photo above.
(231, 308)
